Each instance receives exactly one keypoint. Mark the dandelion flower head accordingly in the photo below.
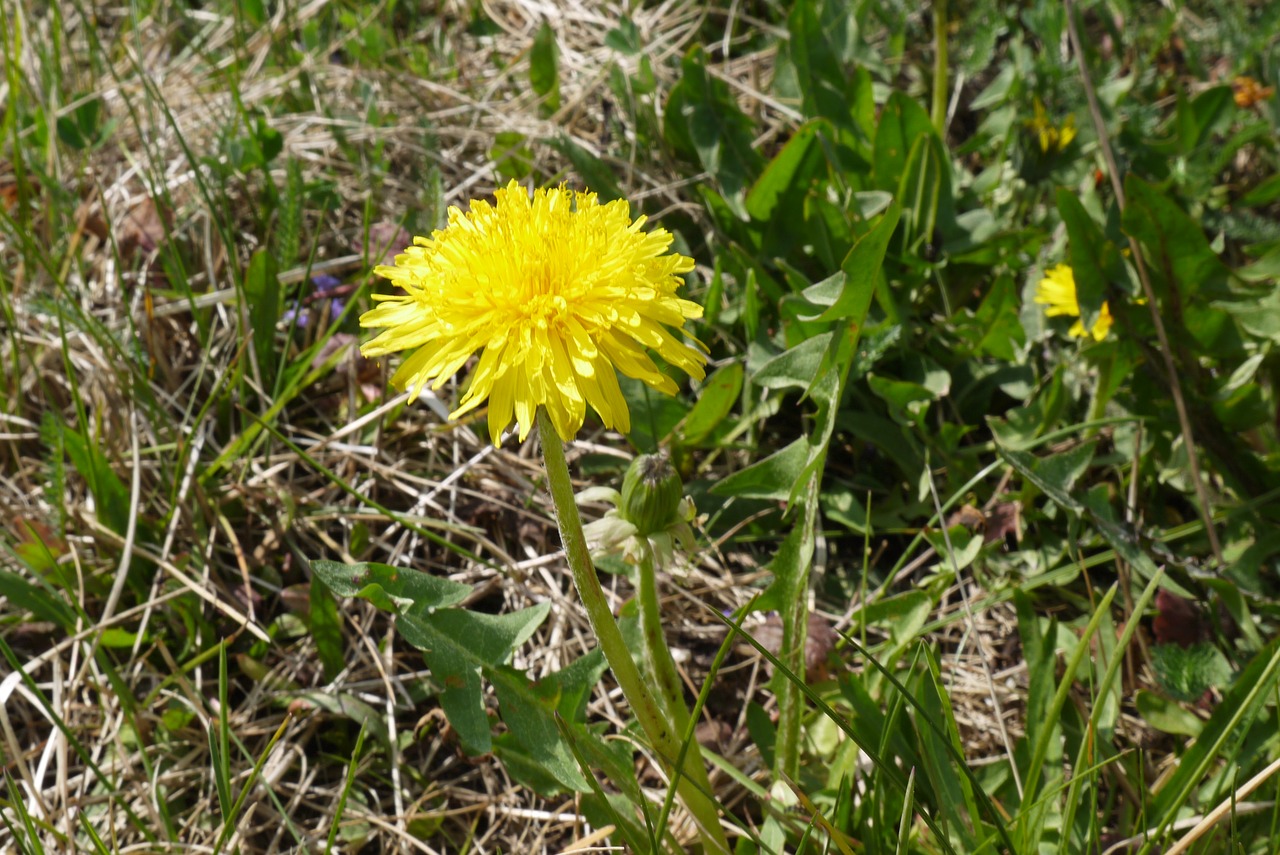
(557, 292)
(1052, 138)
(1057, 290)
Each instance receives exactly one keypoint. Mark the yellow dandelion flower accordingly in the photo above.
(1057, 290)
(1051, 137)
(558, 293)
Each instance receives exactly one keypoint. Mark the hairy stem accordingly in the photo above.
(656, 652)
(691, 779)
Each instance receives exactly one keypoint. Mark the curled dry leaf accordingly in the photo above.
(384, 242)
(820, 642)
(142, 228)
(967, 516)
(1004, 520)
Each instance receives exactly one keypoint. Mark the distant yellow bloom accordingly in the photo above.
(1057, 290)
(1246, 91)
(555, 292)
(1052, 138)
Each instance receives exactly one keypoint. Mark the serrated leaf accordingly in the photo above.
(1186, 673)
(459, 646)
(1175, 242)
(392, 589)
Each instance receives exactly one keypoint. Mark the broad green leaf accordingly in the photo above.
(1118, 538)
(349, 706)
(1063, 469)
(1197, 118)
(770, 478)
(966, 544)
(110, 496)
(1166, 716)
(715, 401)
(780, 177)
(392, 589)
(459, 646)
(1263, 193)
(861, 269)
(511, 155)
(908, 402)
(1258, 315)
(653, 415)
(83, 127)
(326, 628)
(703, 120)
(1022, 427)
(595, 173)
(624, 38)
(795, 367)
(563, 694)
(902, 121)
(820, 73)
(904, 614)
(1175, 243)
(44, 605)
(544, 67)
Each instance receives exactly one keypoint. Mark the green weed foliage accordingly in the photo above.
(1002, 565)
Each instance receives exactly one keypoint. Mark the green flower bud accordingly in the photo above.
(651, 494)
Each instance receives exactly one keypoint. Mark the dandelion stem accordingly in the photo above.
(656, 652)
(692, 783)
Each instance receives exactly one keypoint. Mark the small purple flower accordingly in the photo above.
(323, 282)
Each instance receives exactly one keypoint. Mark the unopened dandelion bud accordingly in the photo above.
(652, 494)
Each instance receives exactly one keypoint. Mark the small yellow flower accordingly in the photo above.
(557, 292)
(1057, 290)
(1052, 138)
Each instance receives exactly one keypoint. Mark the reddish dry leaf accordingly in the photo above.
(818, 646)
(142, 228)
(1004, 519)
(1179, 621)
(37, 543)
